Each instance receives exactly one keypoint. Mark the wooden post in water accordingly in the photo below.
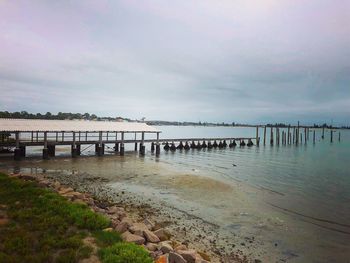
(74, 149)
(271, 136)
(297, 135)
(288, 135)
(339, 137)
(322, 133)
(305, 137)
(257, 136)
(301, 138)
(136, 144)
(122, 145)
(265, 135)
(157, 145)
(278, 135)
(314, 139)
(45, 150)
(142, 146)
(331, 135)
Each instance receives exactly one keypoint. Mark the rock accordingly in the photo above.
(189, 255)
(202, 261)
(138, 228)
(44, 183)
(115, 210)
(150, 225)
(162, 259)
(204, 256)
(27, 177)
(115, 222)
(156, 254)
(162, 234)
(56, 185)
(64, 190)
(150, 236)
(128, 237)
(109, 229)
(176, 258)
(89, 201)
(3, 221)
(181, 247)
(128, 221)
(122, 227)
(165, 247)
(99, 210)
(77, 195)
(151, 246)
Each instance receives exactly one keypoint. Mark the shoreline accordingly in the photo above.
(187, 228)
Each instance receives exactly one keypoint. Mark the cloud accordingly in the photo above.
(185, 60)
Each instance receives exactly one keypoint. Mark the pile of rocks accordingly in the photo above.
(158, 241)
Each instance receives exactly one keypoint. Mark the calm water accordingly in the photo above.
(316, 175)
(295, 200)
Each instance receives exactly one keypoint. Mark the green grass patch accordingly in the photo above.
(124, 253)
(44, 227)
(105, 239)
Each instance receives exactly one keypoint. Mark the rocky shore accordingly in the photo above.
(161, 244)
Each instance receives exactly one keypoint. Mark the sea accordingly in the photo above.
(293, 199)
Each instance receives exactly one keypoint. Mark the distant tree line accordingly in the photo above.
(188, 123)
(58, 116)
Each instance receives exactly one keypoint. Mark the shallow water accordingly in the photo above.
(294, 200)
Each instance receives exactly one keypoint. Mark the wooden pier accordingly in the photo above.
(20, 133)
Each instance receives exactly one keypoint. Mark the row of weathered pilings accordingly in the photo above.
(292, 135)
(205, 144)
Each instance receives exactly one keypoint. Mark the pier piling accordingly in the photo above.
(314, 137)
(271, 136)
(331, 135)
(122, 145)
(322, 133)
(45, 150)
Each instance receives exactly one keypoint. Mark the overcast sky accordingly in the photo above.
(235, 60)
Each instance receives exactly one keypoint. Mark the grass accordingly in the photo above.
(105, 239)
(124, 253)
(45, 227)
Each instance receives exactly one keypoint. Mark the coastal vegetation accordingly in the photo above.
(38, 225)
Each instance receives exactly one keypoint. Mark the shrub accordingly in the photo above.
(124, 253)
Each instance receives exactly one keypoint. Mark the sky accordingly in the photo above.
(254, 61)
